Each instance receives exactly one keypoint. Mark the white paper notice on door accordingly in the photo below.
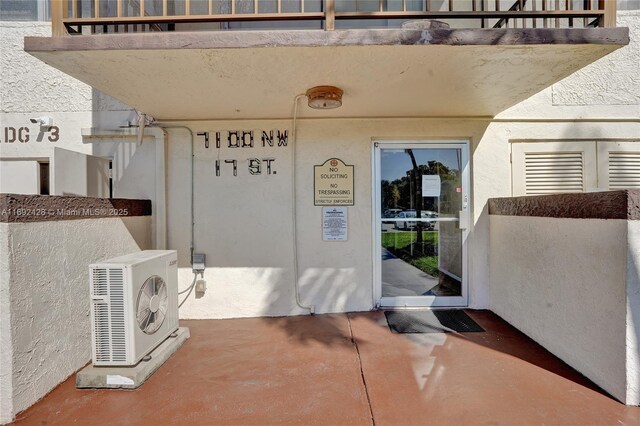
(431, 185)
(334, 224)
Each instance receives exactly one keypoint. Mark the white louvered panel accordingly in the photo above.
(624, 170)
(116, 308)
(101, 326)
(101, 315)
(100, 283)
(552, 167)
(553, 172)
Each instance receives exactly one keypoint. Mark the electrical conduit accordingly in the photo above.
(294, 216)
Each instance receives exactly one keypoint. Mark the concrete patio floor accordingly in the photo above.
(345, 369)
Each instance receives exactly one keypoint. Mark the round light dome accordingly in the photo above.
(324, 97)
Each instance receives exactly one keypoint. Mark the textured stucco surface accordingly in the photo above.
(30, 89)
(607, 89)
(31, 85)
(594, 205)
(47, 269)
(39, 208)
(563, 283)
(6, 347)
(612, 80)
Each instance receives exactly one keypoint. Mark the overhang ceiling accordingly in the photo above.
(384, 73)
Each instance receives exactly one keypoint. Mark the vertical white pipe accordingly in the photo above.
(294, 216)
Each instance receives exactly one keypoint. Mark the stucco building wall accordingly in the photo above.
(6, 351)
(563, 283)
(606, 89)
(44, 299)
(30, 89)
(243, 223)
(633, 312)
(19, 176)
(564, 270)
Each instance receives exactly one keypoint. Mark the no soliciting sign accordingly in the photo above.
(333, 183)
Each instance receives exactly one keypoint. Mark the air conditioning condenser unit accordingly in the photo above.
(134, 305)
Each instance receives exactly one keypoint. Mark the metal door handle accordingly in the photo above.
(464, 219)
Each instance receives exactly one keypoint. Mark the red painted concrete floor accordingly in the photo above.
(345, 370)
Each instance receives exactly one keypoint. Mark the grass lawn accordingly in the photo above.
(423, 256)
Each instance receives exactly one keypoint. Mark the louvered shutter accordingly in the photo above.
(619, 165)
(540, 168)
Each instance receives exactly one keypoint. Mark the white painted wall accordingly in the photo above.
(137, 172)
(71, 173)
(633, 312)
(243, 223)
(19, 176)
(75, 173)
(44, 299)
(566, 284)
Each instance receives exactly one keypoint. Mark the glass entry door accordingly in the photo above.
(422, 214)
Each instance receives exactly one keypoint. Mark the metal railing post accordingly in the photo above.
(329, 15)
(610, 10)
(58, 13)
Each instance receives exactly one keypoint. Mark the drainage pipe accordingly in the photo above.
(294, 216)
(191, 184)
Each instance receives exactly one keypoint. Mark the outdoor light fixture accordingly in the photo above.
(42, 121)
(324, 97)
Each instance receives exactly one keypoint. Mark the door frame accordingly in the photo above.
(465, 223)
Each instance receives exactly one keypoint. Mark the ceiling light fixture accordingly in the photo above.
(324, 97)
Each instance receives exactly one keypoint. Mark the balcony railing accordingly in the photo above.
(71, 17)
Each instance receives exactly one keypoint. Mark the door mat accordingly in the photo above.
(442, 321)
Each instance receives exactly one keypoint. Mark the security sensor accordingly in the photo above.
(42, 121)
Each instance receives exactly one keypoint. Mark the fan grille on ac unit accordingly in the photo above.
(152, 303)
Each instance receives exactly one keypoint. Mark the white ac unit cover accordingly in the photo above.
(134, 305)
